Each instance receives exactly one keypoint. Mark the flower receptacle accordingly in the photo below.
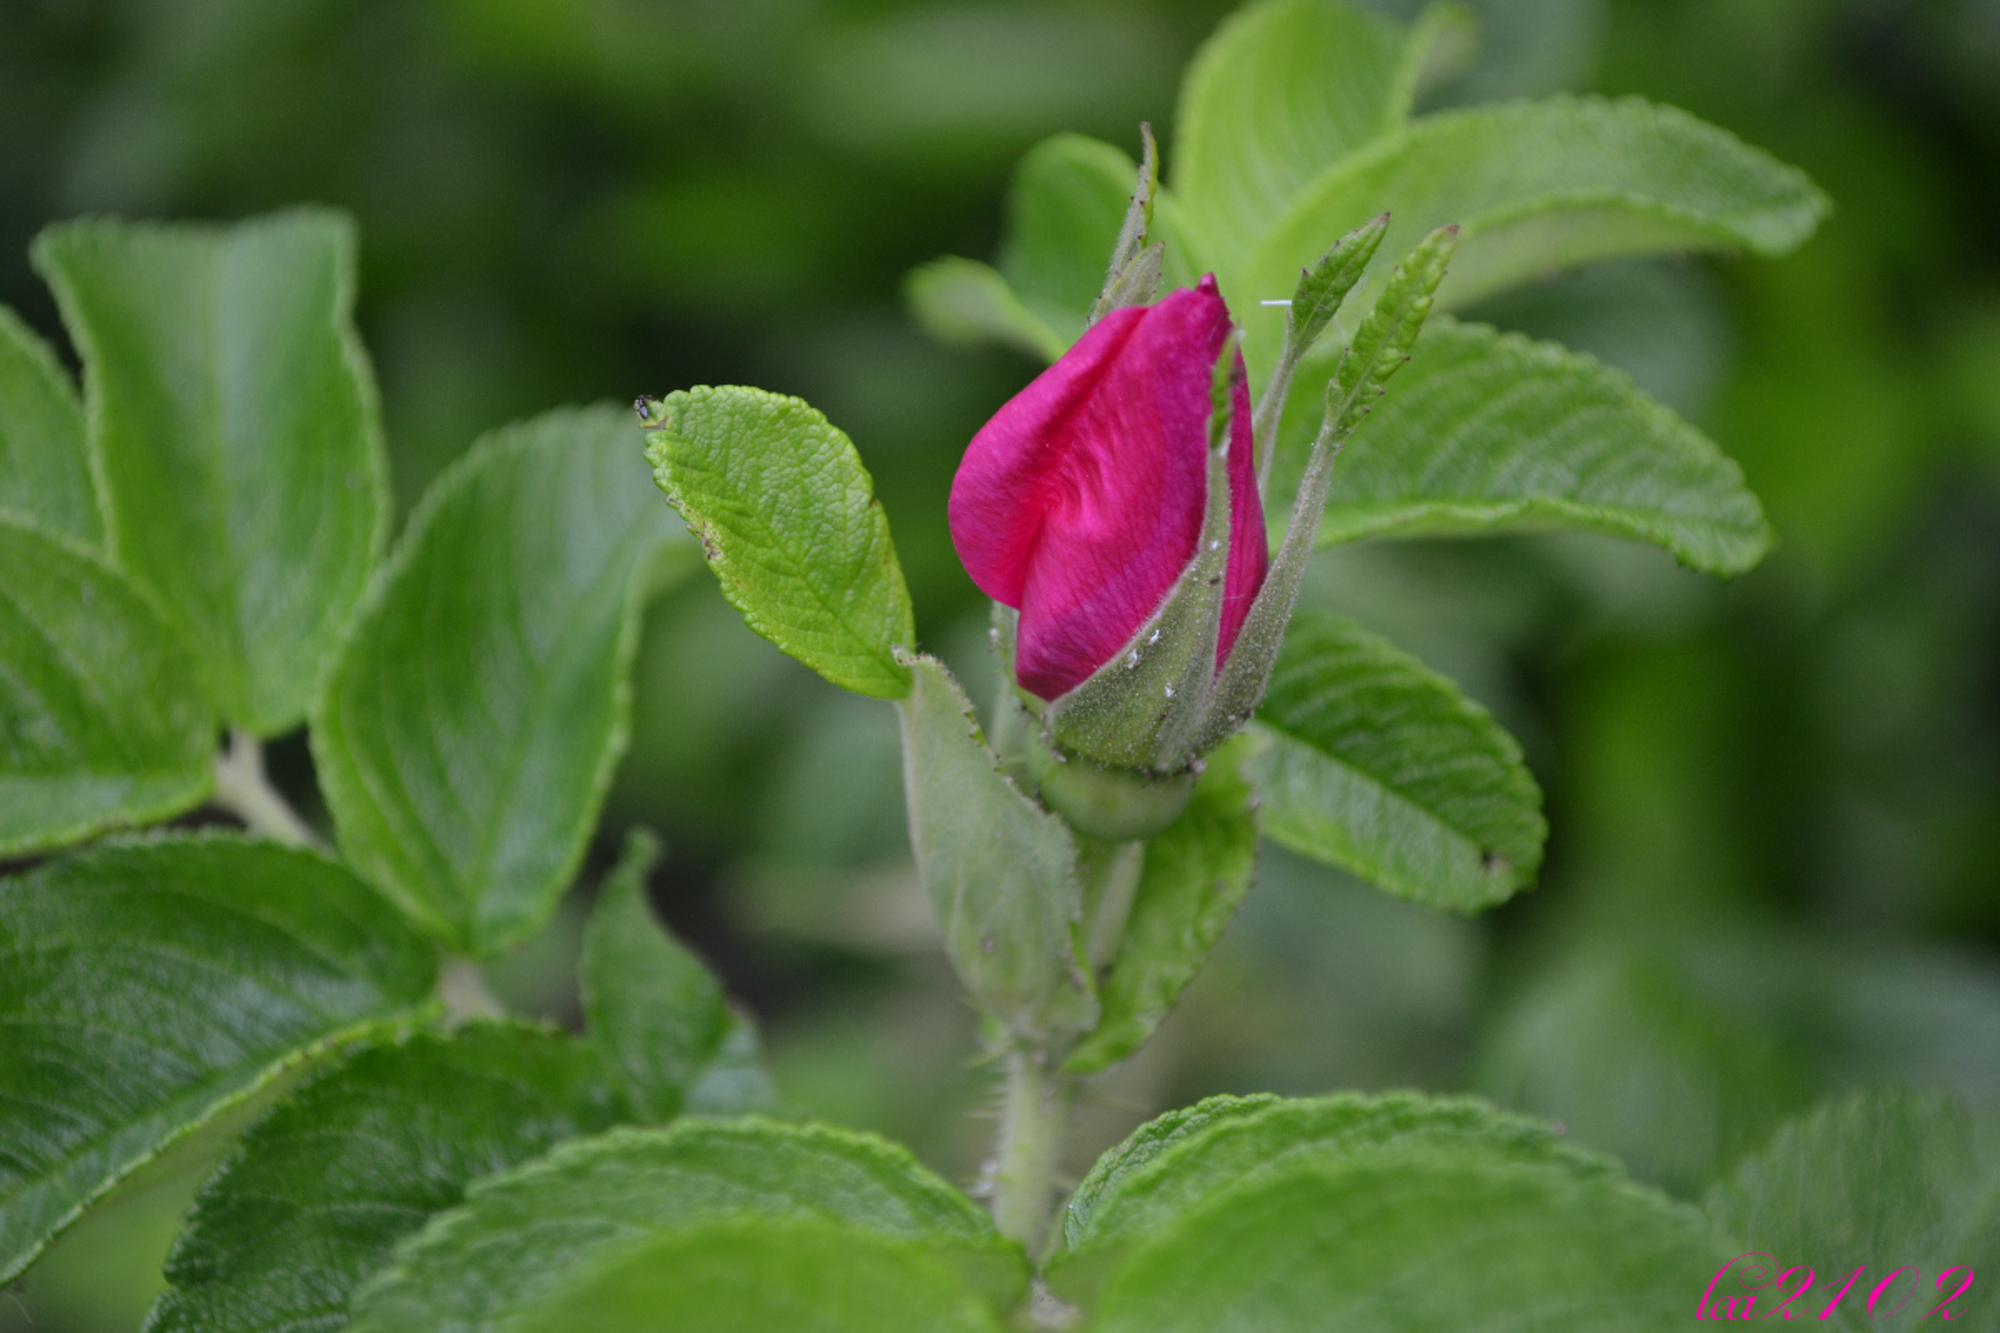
(1112, 804)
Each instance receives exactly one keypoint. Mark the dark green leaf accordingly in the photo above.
(1492, 432)
(324, 1187)
(233, 421)
(1878, 1179)
(1374, 763)
(473, 720)
(520, 1237)
(657, 1015)
(788, 519)
(1682, 1041)
(147, 985)
(102, 715)
(44, 457)
(1193, 877)
(1000, 870)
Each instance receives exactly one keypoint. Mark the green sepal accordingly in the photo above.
(1001, 872)
(1136, 259)
(1379, 348)
(1324, 287)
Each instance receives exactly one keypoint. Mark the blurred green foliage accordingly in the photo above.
(1775, 861)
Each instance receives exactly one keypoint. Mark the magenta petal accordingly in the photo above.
(1249, 544)
(1081, 501)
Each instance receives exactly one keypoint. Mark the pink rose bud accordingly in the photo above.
(1080, 503)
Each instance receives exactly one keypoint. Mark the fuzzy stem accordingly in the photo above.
(1033, 1116)
(242, 789)
(1270, 409)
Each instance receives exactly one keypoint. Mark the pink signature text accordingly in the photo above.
(1783, 1294)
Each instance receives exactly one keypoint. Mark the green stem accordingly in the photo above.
(1270, 408)
(1110, 874)
(1033, 1115)
(242, 789)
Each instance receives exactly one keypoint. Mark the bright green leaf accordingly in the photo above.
(1144, 1144)
(472, 722)
(1065, 210)
(754, 1275)
(1418, 1240)
(1067, 201)
(1241, 1142)
(1373, 763)
(1000, 870)
(1281, 92)
(1194, 876)
(323, 1188)
(102, 715)
(1541, 186)
(233, 420)
(656, 1013)
(44, 457)
(964, 301)
(147, 985)
(1493, 432)
(1878, 1179)
(788, 519)
(519, 1237)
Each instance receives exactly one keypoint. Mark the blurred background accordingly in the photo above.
(1774, 869)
